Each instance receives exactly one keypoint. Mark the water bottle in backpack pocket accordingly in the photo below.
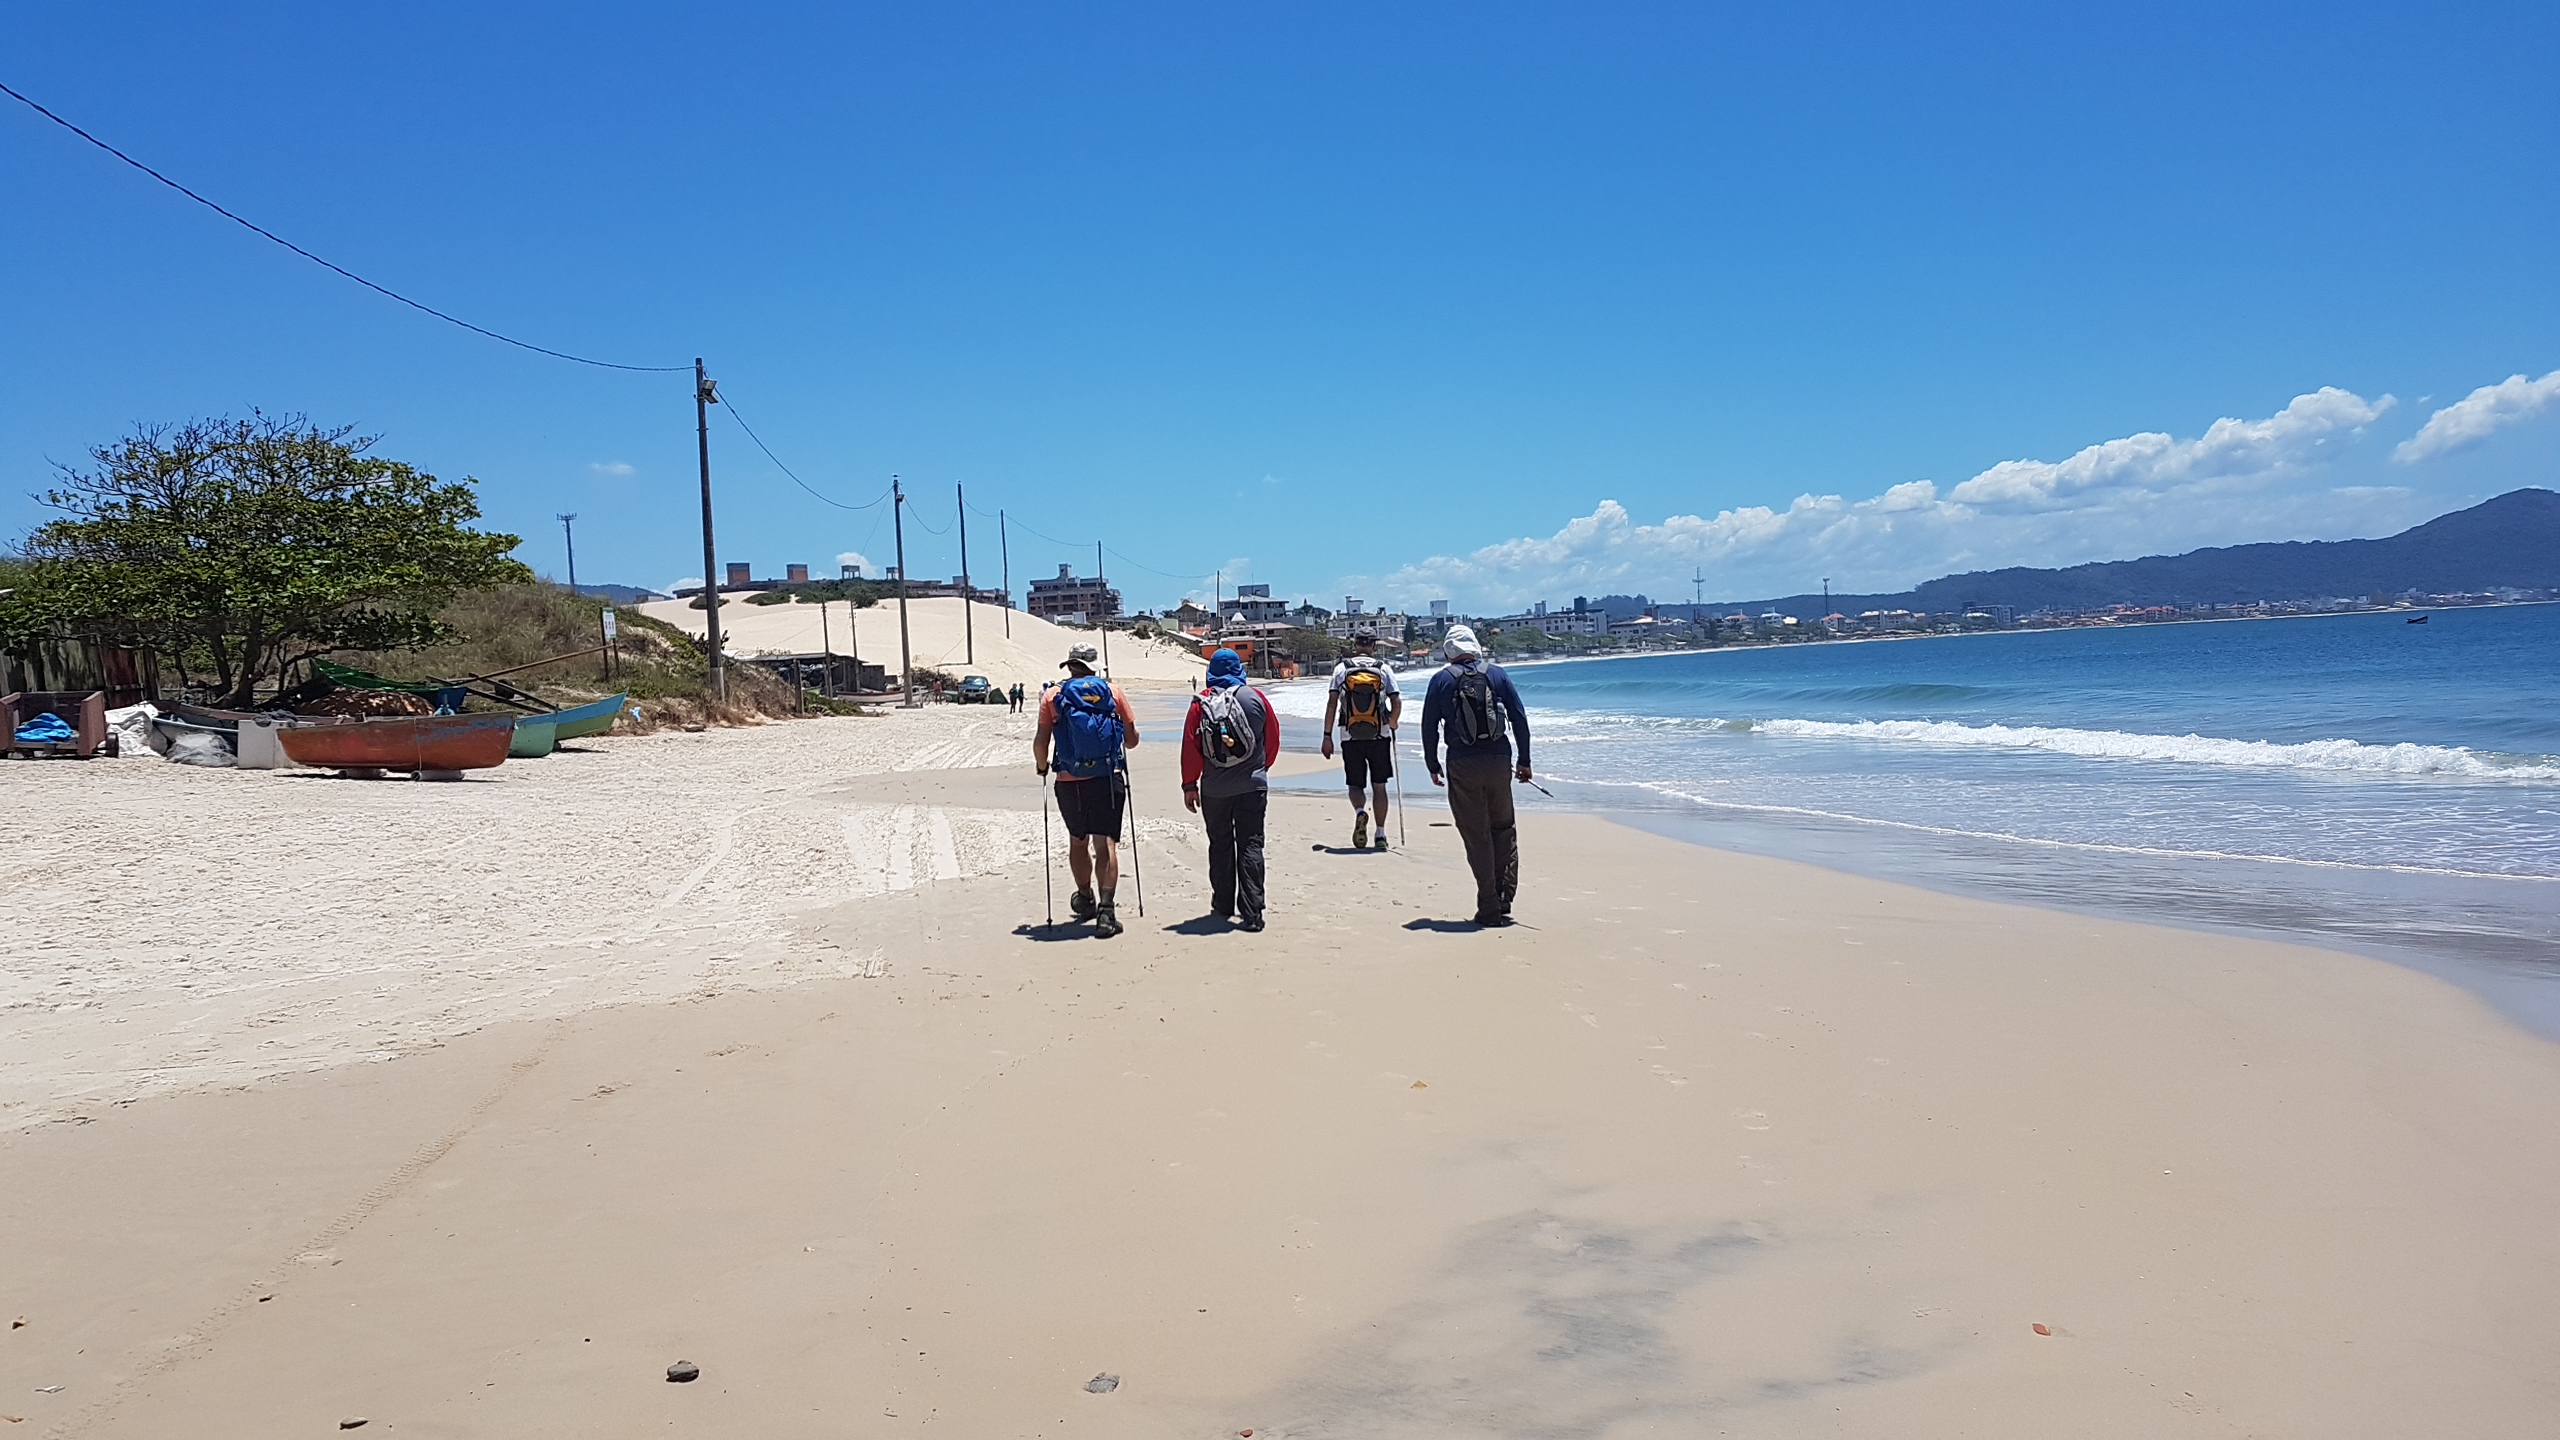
(1226, 732)
(1087, 737)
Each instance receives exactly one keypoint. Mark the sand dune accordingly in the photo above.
(935, 635)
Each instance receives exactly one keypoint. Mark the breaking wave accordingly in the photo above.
(2333, 756)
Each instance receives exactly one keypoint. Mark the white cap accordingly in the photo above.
(1462, 641)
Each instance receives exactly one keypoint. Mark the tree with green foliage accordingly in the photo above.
(241, 548)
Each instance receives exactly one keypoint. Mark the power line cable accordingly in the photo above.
(1150, 569)
(787, 470)
(928, 527)
(258, 229)
(1017, 520)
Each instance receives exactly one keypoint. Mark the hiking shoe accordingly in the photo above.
(1360, 830)
(1493, 922)
(1082, 904)
(1252, 924)
(1382, 835)
(1106, 922)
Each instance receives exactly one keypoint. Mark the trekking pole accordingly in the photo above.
(1395, 753)
(1137, 870)
(1048, 886)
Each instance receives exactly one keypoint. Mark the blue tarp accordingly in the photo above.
(46, 729)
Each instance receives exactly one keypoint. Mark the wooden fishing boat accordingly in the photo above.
(535, 737)
(580, 721)
(416, 742)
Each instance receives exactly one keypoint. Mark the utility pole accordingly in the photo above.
(906, 656)
(706, 393)
(1100, 592)
(968, 631)
(570, 538)
(1004, 552)
(827, 647)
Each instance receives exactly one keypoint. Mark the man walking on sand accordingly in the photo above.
(1226, 780)
(1364, 699)
(1477, 703)
(1089, 721)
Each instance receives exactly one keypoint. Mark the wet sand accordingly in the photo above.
(1710, 1144)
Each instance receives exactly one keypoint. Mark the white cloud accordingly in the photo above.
(2155, 461)
(859, 561)
(2469, 420)
(612, 467)
(2143, 494)
(690, 582)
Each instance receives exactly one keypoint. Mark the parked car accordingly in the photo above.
(976, 690)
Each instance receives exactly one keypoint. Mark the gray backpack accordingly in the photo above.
(1229, 733)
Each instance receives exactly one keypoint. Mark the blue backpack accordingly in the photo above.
(1088, 735)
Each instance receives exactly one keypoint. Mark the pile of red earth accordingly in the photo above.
(368, 702)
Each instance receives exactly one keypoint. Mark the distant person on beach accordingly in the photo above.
(1364, 700)
(1477, 704)
(1017, 697)
(1226, 781)
(1090, 723)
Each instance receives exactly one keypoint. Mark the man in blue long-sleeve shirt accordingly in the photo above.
(1481, 709)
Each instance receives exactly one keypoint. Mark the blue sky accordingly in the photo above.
(1491, 302)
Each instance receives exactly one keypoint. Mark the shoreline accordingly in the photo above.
(1980, 634)
(1711, 1141)
(2525, 990)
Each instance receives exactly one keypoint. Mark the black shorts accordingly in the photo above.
(1368, 762)
(1090, 807)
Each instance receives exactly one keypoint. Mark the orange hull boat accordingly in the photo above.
(422, 742)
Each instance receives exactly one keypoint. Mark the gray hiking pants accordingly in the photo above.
(1480, 806)
(1235, 851)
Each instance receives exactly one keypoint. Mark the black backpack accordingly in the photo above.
(1476, 717)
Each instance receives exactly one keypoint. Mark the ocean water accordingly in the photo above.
(2354, 780)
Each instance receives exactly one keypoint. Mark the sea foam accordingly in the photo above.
(2333, 756)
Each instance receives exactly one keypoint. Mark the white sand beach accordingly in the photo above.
(468, 1109)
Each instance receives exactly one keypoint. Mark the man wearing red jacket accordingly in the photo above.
(1226, 780)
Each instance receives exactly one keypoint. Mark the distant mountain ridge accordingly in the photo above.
(620, 594)
(2510, 541)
